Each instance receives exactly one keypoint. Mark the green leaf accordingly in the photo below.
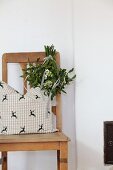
(71, 70)
(64, 91)
(35, 72)
(73, 77)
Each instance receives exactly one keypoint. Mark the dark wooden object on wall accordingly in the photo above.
(52, 141)
(108, 142)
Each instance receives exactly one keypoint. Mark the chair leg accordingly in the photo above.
(4, 163)
(58, 159)
(62, 156)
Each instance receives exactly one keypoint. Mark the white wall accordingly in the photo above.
(94, 86)
(28, 25)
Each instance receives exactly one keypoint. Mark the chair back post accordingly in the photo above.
(4, 69)
(23, 59)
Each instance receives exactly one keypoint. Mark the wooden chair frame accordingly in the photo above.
(34, 142)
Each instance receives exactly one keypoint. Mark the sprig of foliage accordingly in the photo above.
(49, 50)
(50, 72)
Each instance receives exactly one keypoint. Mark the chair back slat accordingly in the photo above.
(24, 66)
(23, 58)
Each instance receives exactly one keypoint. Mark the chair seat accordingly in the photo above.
(34, 138)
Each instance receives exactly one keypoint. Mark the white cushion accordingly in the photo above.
(21, 114)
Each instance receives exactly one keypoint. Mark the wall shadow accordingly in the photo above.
(90, 159)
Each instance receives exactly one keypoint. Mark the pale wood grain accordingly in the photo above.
(50, 137)
(29, 146)
(63, 156)
(4, 163)
(24, 66)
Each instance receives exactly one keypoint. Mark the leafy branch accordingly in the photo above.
(48, 76)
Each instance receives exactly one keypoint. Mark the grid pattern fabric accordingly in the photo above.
(23, 114)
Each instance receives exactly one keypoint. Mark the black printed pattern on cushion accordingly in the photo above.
(20, 114)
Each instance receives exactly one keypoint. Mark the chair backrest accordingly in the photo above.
(23, 59)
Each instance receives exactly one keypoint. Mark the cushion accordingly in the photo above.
(21, 114)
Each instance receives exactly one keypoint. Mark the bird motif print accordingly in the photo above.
(16, 91)
(4, 98)
(22, 130)
(32, 113)
(40, 127)
(22, 97)
(1, 85)
(37, 97)
(4, 129)
(49, 112)
(14, 115)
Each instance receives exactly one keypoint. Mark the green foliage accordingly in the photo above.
(48, 76)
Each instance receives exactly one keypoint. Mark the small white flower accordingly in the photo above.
(50, 74)
(48, 83)
(47, 72)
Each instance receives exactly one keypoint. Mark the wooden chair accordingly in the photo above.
(34, 142)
